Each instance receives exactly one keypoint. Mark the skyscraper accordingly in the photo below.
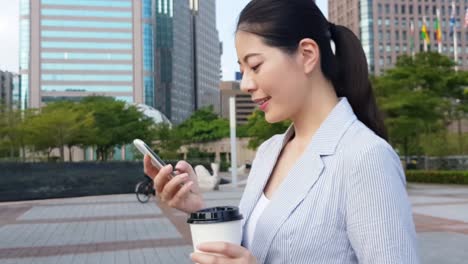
(173, 50)
(207, 54)
(7, 89)
(72, 49)
(158, 52)
(187, 57)
(389, 28)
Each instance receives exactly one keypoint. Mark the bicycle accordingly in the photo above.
(144, 190)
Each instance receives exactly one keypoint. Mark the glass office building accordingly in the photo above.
(157, 52)
(72, 49)
(188, 57)
(384, 28)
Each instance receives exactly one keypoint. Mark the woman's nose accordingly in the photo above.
(247, 84)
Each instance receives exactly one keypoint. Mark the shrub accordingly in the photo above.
(443, 177)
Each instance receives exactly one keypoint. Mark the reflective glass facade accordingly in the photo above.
(164, 55)
(208, 56)
(86, 46)
(366, 31)
(24, 53)
(182, 96)
(148, 19)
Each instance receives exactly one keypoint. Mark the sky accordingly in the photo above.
(227, 12)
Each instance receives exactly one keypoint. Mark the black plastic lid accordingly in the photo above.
(218, 214)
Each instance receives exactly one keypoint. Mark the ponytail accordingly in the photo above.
(352, 79)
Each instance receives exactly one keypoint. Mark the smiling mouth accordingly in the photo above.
(262, 101)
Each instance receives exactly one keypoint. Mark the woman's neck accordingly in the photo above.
(309, 118)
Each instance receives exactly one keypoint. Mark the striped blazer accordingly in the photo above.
(344, 201)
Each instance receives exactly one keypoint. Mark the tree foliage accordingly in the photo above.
(419, 97)
(96, 121)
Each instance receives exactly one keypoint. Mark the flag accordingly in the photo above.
(437, 31)
(424, 34)
(466, 18)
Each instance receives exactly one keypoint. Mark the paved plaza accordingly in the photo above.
(118, 229)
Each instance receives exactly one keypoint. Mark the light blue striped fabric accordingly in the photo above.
(344, 201)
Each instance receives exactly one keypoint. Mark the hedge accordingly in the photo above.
(28, 181)
(442, 177)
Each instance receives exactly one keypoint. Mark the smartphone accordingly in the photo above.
(145, 150)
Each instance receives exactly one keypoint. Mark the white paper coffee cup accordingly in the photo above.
(221, 223)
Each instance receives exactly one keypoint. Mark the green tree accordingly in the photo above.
(416, 96)
(259, 130)
(13, 132)
(116, 124)
(204, 125)
(166, 142)
(57, 125)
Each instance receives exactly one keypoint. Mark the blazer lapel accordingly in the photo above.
(259, 177)
(289, 195)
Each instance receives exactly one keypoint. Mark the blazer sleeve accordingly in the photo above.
(378, 213)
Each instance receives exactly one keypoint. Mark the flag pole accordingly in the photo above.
(425, 38)
(455, 45)
(439, 33)
(412, 38)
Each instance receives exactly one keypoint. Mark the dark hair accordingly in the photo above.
(284, 23)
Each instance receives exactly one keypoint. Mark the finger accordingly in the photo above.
(149, 168)
(201, 258)
(223, 248)
(184, 166)
(173, 186)
(162, 177)
(181, 194)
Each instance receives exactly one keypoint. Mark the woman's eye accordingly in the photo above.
(255, 68)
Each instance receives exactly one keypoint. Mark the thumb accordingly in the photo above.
(184, 166)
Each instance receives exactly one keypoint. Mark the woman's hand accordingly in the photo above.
(180, 192)
(227, 253)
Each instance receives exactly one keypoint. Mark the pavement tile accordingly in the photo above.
(117, 229)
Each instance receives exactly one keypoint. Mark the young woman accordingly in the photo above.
(328, 190)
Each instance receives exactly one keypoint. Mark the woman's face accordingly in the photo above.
(275, 79)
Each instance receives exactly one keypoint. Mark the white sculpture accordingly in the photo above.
(206, 181)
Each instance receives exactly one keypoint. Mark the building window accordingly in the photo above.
(396, 9)
(410, 9)
(379, 6)
(403, 9)
(387, 8)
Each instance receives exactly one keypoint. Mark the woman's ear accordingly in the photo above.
(308, 50)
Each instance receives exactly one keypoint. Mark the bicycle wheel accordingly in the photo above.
(141, 191)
